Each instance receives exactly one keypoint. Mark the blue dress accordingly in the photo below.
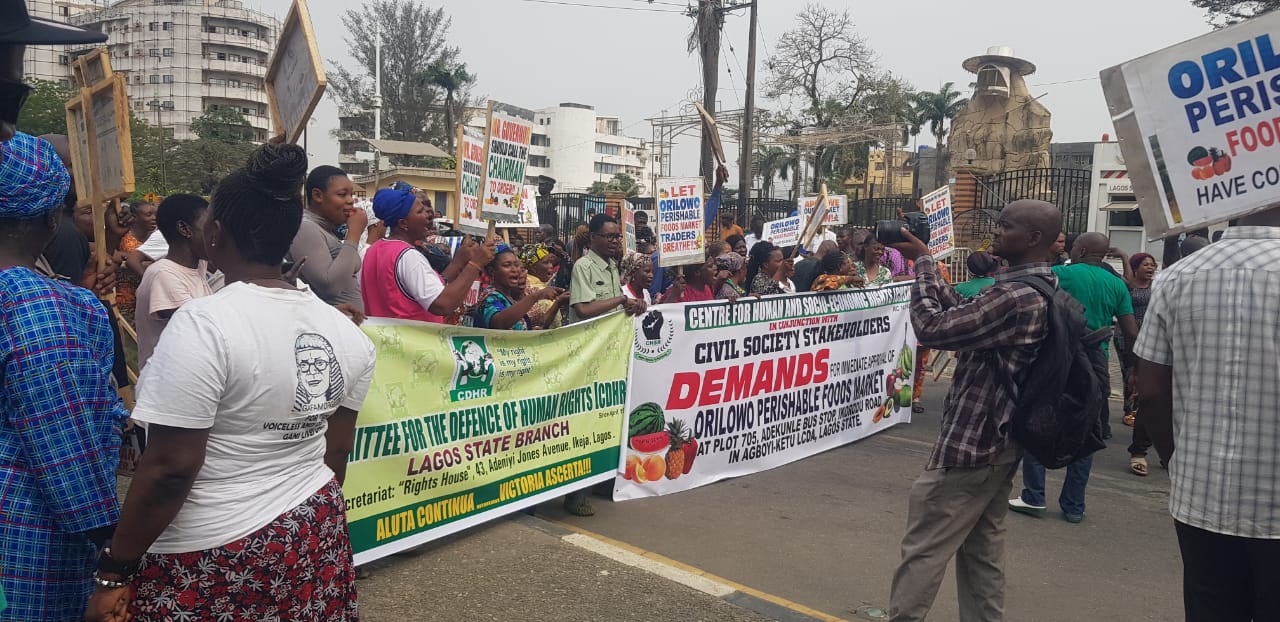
(496, 302)
(60, 424)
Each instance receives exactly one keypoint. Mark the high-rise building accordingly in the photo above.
(181, 58)
(570, 143)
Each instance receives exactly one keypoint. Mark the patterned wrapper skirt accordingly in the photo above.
(297, 568)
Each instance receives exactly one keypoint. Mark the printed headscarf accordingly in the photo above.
(730, 262)
(633, 262)
(33, 180)
(531, 254)
(392, 206)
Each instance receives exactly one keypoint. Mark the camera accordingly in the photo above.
(890, 231)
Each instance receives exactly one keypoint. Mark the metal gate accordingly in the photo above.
(864, 213)
(1067, 188)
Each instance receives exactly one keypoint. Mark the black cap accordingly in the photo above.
(17, 27)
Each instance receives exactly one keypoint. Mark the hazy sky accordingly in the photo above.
(634, 64)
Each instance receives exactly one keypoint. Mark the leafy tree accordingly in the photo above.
(621, 182)
(415, 38)
(452, 79)
(937, 109)
(224, 124)
(1227, 12)
(829, 76)
(45, 111)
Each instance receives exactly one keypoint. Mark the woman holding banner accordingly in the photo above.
(637, 275)
(236, 510)
(838, 272)
(733, 270)
(541, 262)
(768, 271)
(508, 304)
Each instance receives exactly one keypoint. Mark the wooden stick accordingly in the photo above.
(710, 125)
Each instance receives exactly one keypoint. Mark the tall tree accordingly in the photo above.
(621, 182)
(45, 111)
(827, 75)
(1227, 12)
(708, 21)
(937, 109)
(415, 37)
(224, 124)
(451, 79)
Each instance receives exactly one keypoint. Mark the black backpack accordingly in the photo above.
(1059, 402)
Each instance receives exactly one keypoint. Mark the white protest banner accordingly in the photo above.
(1196, 126)
(783, 233)
(506, 156)
(527, 208)
(937, 206)
(837, 214)
(466, 211)
(295, 79)
(680, 220)
(721, 390)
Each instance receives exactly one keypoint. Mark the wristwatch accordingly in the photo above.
(108, 564)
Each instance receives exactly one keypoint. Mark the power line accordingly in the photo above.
(605, 6)
(679, 4)
(1090, 78)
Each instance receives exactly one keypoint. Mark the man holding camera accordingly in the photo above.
(957, 507)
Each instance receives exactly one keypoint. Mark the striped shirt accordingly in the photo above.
(1214, 319)
(995, 335)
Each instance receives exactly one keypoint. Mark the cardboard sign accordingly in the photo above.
(838, 209)
(295, 79)
(466, 210)
(783, 233)
(528, 217)
(813, 220)
(1198, 126)
(629, 226)
(937, 206)
(506, 156)
(710, 126)
(680, 219)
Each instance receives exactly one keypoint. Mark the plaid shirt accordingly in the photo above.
(995, 334)
(1212, 318)
(60, 422)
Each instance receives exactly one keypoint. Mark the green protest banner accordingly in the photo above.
(464, 425)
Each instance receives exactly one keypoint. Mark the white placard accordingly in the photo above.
(937, 206)
(783, 233)
(681, 215)
(838, 210)
(1198, 126)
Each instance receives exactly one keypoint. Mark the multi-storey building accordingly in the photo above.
(181, 58)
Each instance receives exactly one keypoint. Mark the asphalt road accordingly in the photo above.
(824, 532)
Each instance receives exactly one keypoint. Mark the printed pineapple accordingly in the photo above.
(676, 455)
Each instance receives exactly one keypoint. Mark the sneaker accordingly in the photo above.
(1016, 504)
(1074, 519)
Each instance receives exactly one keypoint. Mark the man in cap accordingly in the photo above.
(60, 446)
(17, 31)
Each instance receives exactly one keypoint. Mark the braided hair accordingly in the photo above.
(758, 257)
(260, 205)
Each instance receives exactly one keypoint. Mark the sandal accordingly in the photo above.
(1128, 419)
(1138, 465)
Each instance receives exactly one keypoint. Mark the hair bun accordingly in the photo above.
(277, 170)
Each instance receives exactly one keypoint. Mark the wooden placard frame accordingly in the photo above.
(812, 224)
(92, 68)
(78, 141)
(296, 24)
(709, 123)
(106, 185)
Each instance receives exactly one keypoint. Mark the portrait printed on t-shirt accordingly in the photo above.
(320, 383)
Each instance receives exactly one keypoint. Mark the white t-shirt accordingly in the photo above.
(155, 246)
(262, 369)
(166, 286)
(418, 279)
(626, 291)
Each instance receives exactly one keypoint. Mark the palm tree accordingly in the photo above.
(449, 79)
(774, 162)
(937, 109)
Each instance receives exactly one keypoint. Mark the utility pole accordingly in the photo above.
(708, 19)
(377, 85)
(748, 112)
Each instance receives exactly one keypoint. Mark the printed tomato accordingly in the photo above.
(633, 461)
